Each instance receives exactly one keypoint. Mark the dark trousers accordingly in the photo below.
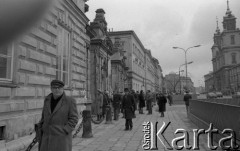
(116, 113)
(128, 124)
(140, 110)
(149, 105)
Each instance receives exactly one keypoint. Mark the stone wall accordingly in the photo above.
(36, 60)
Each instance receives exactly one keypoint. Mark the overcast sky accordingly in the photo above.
(163, 24)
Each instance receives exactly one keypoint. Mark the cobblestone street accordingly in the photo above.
(112, 137)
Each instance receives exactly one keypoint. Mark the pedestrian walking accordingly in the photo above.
(116, 105)
(99, 104)
(128, 105)
(161, 101)
(187, 97)
(149, 100)
(59, 118)
(105, 103)
(135, 100)
(141, 102)
(121, 108)
(169, 96)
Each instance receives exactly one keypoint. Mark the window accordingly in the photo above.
(6, 62)
(232, 39)
(2, 131)
(63, 60)
(234, 58)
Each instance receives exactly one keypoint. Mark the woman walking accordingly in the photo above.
(161, 101)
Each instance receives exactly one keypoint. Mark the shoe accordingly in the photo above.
(126, 129)
(130, 128)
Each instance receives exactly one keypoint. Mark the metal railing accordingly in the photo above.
(220, 114)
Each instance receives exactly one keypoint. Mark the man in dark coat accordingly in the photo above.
(141, 102)
(99, 104)
(116, 105)
(128, 105)
(135, 100)
(161, 101)
(186, 99)
(149, 101)
(59, 118)
(105, 103)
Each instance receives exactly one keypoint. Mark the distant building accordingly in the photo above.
(225, 52)
(119, 67)
(178, 84)
(200, 89)
(144, 71)
(234, 78)
(101, 50)
(209, 83)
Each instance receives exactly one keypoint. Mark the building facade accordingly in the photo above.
(225, 52)
(101, 49)
(56, 48)
(133, 49)
(209, 83)
(234, 78)
(143, 69)
(119, 68)
(150, 71)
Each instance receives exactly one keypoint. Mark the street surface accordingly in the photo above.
(112, 137)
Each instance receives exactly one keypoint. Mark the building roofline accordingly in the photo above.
(127, 32)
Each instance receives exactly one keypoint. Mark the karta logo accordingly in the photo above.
(151, 137)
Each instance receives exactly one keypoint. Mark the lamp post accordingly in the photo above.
(180, 79)
(185, 51)
(181, 71)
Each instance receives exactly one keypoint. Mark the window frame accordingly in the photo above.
(234, 57)
(60, 56)
(10, 47)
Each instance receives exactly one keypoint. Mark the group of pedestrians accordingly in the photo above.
(59, 115)
(131, 101)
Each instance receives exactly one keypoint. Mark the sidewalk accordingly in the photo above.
(112, 137)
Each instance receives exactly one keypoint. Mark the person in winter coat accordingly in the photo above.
(59, 118)
(141, 102)
(149, 101)
(99, 103)
(128, 105)
(105, 103)
(161, 101)
(116, 105)
(186, 99)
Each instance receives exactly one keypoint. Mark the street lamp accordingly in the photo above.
(180, 79)
(181, 71)
(185, 51)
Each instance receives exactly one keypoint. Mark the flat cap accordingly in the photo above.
(57, 83)
(126, 89)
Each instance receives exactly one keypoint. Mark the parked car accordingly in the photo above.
(219, 94)
(236, 95)
(211, 95)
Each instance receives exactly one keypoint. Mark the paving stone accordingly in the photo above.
(114, 138)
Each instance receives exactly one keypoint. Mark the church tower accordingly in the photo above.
(229, 20)
(225, 51)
